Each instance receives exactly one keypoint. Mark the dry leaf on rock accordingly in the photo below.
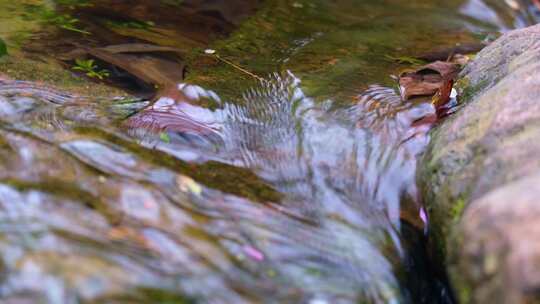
(427, 80)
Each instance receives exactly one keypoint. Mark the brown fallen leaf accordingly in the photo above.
(442, 96)
(152, 64)
(155, 70)
(426, 80)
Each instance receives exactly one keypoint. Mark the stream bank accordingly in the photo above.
(479, 176)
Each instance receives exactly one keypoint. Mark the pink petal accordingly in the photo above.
(253, 253)
(423, 215)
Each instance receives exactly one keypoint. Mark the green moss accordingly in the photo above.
(50, 72)
(226, 178)
(444, 206)
(464, 294)
(3, 48)
(73, 3)
(18, 19)
(61, 188)
(467, 91)
(457, 209)
(334, 52)
(148, 295)
(462, 83)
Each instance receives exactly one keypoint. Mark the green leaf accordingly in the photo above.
(72, 28)
(164, 137)
(80, 62)
(3, 48)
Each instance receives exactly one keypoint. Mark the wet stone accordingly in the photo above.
(486, 147)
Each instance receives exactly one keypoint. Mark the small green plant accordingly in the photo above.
(69, 23)
(164, 137)
(89, 67)
(65, 21)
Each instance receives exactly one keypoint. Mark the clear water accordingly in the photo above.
(296, 189)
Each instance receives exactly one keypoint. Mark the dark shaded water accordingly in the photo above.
(295, 189)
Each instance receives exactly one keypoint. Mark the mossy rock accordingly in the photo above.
(49, 72)
(489, 143)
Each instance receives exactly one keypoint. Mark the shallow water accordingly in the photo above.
(295, 189)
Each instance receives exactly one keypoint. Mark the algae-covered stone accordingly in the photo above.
(498, 252)
(489, 143)
(48, 72)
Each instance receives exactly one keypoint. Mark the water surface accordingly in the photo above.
(295, 189)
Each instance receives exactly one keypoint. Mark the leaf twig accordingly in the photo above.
(236, 66)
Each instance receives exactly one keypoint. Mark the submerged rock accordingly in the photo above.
(479, 211)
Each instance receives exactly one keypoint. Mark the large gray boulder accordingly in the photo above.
(481, 176)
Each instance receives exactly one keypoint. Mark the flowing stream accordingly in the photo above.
(295, 187)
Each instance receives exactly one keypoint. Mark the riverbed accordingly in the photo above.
(252, 152)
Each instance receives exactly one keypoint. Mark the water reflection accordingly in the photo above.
(98, 221)
(501, 15)
(316, 155)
